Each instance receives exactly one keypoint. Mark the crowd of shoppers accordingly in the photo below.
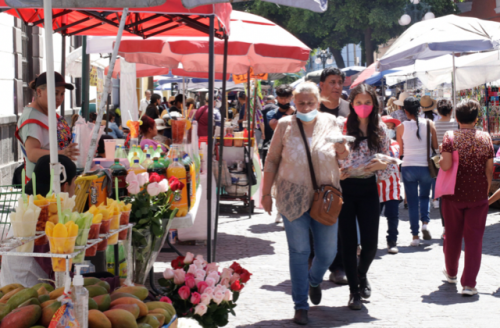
(386, 153)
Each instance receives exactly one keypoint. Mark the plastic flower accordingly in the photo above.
(195, 298)
(188, 259)
(155, 177)
(200, 309)
(206, 299)
(131, 176)
(143, 178)
(168, 274)
(133, 187)
(179, 276)
(175, 184)
(153, 189)
(184, 292)
(236, 286)
(163, 185)
(178, 262)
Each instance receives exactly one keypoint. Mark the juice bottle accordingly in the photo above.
(148, 150)
(177, 170)
(166, 160)
(119, 172)
(156, 167)
(189, 185)
(191, 178)
(147, 161)
(133, 150)
(157, 152)
(134, 158)
(136, 167)
(144, 156)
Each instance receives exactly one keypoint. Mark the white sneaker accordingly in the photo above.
(415, 243)
(450, 279)
(442, 235)
(392, 249)
(435, 204)
(469, 291)
(278, 218)
(426, 232)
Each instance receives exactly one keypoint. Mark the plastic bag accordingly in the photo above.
(65, 316)
(81, 134)
(388, 159)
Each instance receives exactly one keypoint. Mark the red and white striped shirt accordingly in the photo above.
(390, 189)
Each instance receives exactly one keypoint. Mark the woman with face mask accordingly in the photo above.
(285, 95)
(287, 170)
(359, 189)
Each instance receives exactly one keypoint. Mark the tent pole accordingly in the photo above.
(107, 85)
(247, 159)
(211, 77)
(85, 79)
(454, 93)
(63, 67)
(51, 92)
(221, 144)
(184, 95)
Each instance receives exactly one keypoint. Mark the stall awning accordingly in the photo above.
(171, 18)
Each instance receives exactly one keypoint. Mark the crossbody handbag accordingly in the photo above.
(433, 170)
(327, 201)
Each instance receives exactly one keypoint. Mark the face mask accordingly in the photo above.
(307, 117)
(363, 111)
(391, 134)
(285, 107)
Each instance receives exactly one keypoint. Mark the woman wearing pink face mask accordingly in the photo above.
(359, 189)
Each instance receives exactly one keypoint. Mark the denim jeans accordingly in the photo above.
(325, 246)
(392, 215)
(415, 178)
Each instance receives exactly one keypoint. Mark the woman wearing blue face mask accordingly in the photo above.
(360, 172)
(287, 169)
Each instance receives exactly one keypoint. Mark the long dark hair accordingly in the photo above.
(373, 131)
(412, 106)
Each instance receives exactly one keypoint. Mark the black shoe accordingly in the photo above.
(300, 317)
(365, 288)
(315, 294)
(355, 302)
(338, 277)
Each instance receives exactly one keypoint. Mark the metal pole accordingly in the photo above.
(247, 159)
(63, 67)
(51, 95)
(211, 78)
(221, 143)
(454, 83)
(85, 79)
(107, 84)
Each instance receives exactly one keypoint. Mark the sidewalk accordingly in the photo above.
(408, 288)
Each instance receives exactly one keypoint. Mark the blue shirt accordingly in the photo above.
(241, 116)
(116, 133)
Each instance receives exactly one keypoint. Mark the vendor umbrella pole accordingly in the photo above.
(51, 94)
(247, 156)
(221, 145)
(211, 78)
(454, 82)
(107, 84)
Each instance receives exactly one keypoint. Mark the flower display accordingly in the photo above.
(175, 184)
(198, 289)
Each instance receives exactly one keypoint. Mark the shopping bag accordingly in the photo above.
(446, 180)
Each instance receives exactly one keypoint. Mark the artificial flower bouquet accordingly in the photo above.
(198, 290)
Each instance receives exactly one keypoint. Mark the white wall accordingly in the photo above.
(6, 65)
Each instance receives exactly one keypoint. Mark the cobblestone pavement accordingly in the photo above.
(408, 288)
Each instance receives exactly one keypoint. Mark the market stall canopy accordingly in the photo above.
(254, 42)
(88, 3)
(145, 70)
(169, 18)
(319, 6)
(367, 73)
(376, 78)
(471, 70)
(74, 62)
(440, 36)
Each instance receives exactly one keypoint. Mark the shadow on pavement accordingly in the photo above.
(491, 242)
(424, 247)
(286, 286)
(321, 316)
(265, 228)
(447, 294)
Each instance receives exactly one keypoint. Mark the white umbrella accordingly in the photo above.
(441, 36)
(314, 5)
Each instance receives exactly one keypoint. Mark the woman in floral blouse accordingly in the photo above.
(359, 189)
(287, 171)
(466, 210)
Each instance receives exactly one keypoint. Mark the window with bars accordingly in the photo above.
(27, 50)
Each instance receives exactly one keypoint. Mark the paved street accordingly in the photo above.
(408, 288)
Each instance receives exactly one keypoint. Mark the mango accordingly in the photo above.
(161, 305)
(47, 286)
(23, 317)
(150, 320)
(41, 291)
(132, 308)
(141, 292)
(49, 228)
(30, 302)
(105, 285)
(160, 317)
(21, 297)
(160, 311)
(103, 302)
(47, 303)
(60, 231)
(48, 313)
(97, 319)
(4, 310)
(121, 318)
(93, 304)
(116, 296)
(96, 291)
(130, 300)
(56, 293)
(9, 288)
(90, 281)
(43, 298)
(10, 294)
(144, 325)
(1, 295)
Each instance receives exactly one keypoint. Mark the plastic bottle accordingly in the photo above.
(80, 297)
(97, 166)
(166, 160)
(157, 152)
(191, 179)
(136, 167)
(162, 160)
(134, 158)
(119, 172)
(145, 164)
(122, 152)
(133, 149)
(156, 167)
(144, 155)
(177, 170)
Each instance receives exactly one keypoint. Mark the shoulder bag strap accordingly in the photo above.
(429, 139)
(308, 152)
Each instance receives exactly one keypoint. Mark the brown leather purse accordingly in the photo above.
(327, 201)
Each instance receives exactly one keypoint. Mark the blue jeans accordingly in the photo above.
(325, 248)
(392, 215)
(415, 178)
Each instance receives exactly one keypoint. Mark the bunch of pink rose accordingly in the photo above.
(197, 289)
(136, 182)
